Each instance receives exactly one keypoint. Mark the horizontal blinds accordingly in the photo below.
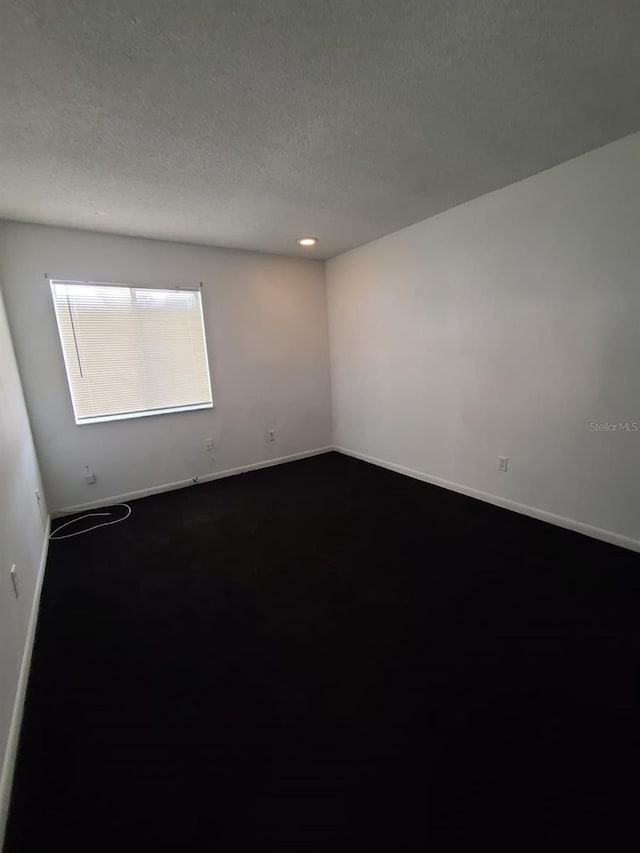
(131, 350)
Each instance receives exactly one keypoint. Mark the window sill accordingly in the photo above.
(145, 414)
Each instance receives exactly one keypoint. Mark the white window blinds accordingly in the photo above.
(131, 351)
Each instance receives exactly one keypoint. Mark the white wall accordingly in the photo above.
(504, 327)
(266, 324)
(22, 538)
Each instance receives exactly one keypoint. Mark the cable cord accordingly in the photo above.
(54, 534)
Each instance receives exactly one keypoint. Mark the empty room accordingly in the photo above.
(319, 425)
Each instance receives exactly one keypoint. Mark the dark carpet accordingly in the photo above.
(329, 656)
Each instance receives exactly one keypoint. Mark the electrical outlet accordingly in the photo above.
(14, 580)
(40, 507)
(272, 434)
(503, 461)
(89, 476)
(208, 445)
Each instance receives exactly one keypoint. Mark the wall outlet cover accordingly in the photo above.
(14, 580)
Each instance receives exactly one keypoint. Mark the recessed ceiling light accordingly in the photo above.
(307, 241)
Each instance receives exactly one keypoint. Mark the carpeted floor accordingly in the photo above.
(328, 656)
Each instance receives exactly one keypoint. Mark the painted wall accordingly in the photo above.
(266, 325)
(22, 537)
(505, 326)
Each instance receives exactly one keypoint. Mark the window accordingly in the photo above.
(131, 351)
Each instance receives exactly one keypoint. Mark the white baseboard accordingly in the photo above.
(181, 484)
(9, 763)
(541, 514)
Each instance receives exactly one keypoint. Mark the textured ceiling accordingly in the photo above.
(246, 124)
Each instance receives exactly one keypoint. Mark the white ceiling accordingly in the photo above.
(247, 124)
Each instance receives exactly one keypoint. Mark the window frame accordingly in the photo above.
(141, 413)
